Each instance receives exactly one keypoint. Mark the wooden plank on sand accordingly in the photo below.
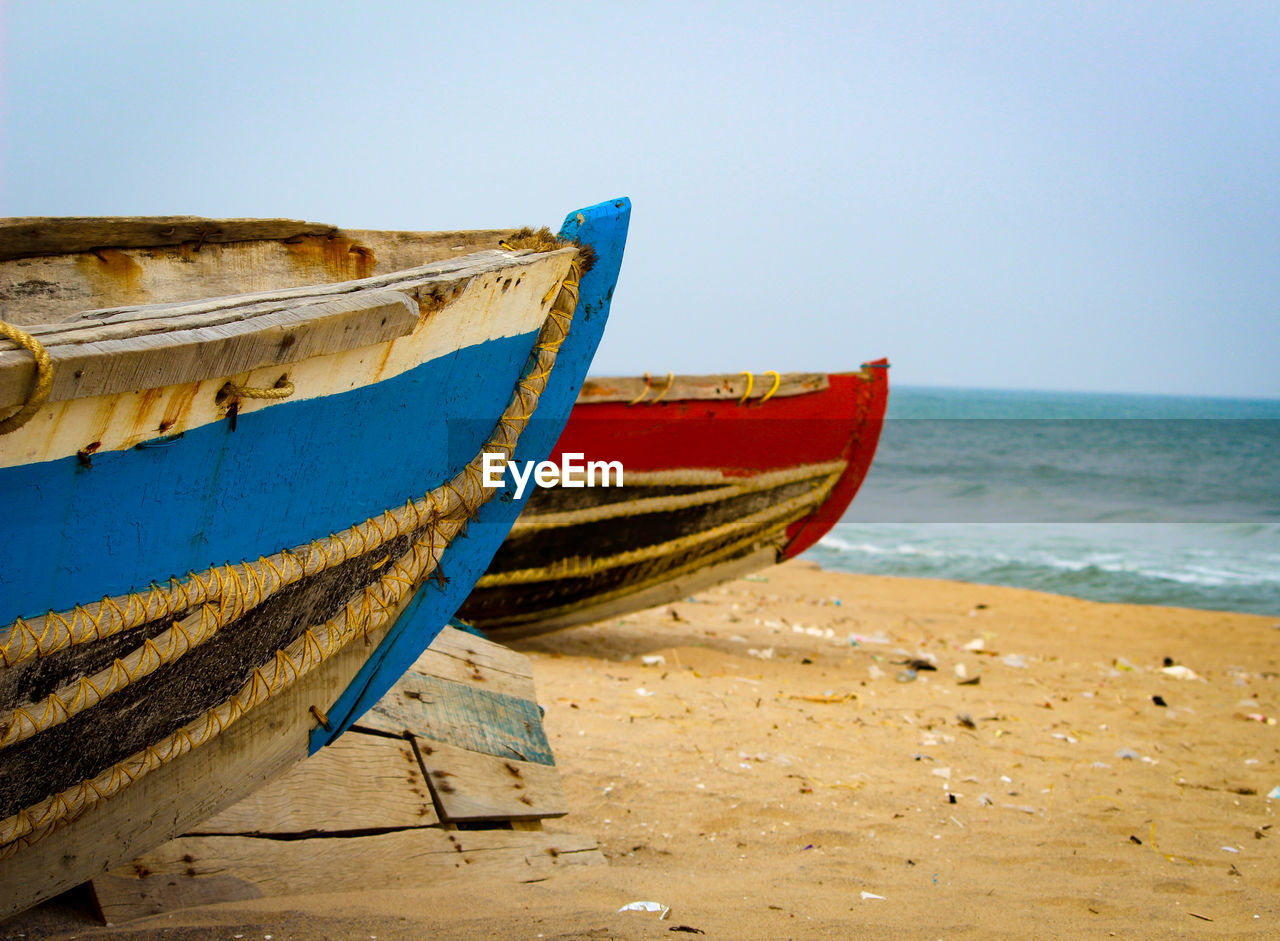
(459, 714)
(360, 782)
(468, 786)
(202, 870)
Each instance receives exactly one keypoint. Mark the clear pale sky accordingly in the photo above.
(1077, 196)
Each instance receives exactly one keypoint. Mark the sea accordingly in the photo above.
(1133, 498)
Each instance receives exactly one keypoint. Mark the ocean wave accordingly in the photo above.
(1046, 558)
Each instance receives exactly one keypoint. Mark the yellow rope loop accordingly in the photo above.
(671, 380)
(43, 383)
(281, 390)
(751, 380)
(640, 398)
(777, 381)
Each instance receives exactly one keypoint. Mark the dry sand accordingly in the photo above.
(771, 779)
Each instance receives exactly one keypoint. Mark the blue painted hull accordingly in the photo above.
(604, 228)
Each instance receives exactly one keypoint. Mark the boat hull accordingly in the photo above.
(359, 524)
(714, 486)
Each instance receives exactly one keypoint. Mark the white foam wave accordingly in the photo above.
(1196, 567)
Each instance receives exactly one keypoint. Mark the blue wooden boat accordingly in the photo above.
(241, 462)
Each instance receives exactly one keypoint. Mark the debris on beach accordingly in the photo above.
(828, 697)
(664, 910)
(857, 640)
(1256, 717)
(1179, 672)
(918, 664)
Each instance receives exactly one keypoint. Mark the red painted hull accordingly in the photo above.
(841, 422)
(721, 477)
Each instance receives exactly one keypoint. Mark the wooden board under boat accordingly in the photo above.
(449, 774)
(722, 475)
(308, 403)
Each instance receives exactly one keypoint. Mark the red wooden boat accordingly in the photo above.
(722, 475)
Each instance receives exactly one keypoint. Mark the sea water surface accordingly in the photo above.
(1145, 499)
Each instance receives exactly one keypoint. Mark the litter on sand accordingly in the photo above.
(871, 895)
(1256, 717)
(663, 910)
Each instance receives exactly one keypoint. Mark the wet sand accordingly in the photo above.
(780, 774)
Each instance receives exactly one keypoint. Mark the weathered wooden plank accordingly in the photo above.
(500, 303)
(42, 235)
(148, 347)
(22, 237)
(204, 870)
(441, 278)
(726, 386)
(360, 782)
(464, 715)
(466, 658)
(469, 786)
(169, 358)
(51, 287)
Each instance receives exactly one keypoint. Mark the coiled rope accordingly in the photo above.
(44, 377)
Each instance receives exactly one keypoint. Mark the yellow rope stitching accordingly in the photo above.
(777, 381)
(733, 487)
(773, 533)
(307, 652)
(578, 568)
(643, 392)
(43, 383)
(671, 380)
(751, 379)
(299, 658)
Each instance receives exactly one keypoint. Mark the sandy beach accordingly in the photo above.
(764, 760)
